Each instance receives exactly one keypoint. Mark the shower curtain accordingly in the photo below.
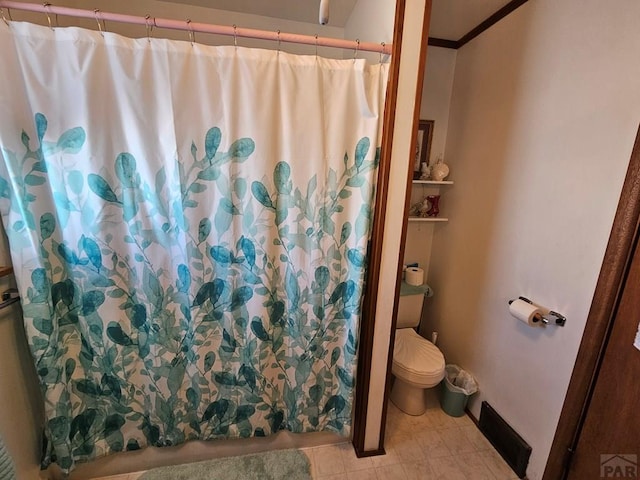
(188, 227)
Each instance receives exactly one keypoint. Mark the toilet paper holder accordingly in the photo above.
(549, 318)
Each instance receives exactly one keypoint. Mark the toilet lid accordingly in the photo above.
(416, 359)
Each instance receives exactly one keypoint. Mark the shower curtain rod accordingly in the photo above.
(194, 27)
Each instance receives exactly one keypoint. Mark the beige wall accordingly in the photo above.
(436, 95)
(544, 112)
(436, 100)
(372, 20)
(201, 14)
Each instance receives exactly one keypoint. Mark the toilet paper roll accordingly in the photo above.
(526, 312)
(414, 276)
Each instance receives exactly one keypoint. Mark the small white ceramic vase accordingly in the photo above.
(439, 172)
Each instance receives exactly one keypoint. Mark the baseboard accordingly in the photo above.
(369, 453)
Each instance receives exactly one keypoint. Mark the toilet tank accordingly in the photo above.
(409, 310)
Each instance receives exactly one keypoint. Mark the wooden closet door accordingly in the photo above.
(609, 444)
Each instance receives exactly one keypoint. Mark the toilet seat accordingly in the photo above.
(416, 360)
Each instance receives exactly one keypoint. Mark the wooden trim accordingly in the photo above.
(475, 421)
(368, 319)
(599, 322)
(480, 28)
(489, 22)
(371, 453)
(4, 271)
(443, 42)
(405, 221)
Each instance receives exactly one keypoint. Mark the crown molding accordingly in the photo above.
(480, 28)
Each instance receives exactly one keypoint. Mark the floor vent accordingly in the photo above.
(505, 439)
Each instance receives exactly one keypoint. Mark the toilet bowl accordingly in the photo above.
(417, 363)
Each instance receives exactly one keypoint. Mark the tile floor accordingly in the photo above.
(431, 446)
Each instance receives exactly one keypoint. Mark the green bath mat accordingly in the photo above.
(275, 465)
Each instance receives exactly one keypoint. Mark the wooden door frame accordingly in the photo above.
(368, 319)
(600, 321)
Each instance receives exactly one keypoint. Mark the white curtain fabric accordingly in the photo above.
(188, 227)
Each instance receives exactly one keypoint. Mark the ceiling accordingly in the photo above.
(450, 19)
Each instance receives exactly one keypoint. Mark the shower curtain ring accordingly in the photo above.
(235, 35)
(192, 36)
(101, 27)
(316, 45)
(4, 19)
(382, 50)
(46, 6)
(149, 27)
(355, 54)
(278, 32)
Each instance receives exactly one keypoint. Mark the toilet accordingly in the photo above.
(417, 363)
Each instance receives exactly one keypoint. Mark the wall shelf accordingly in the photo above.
(428, 219)
(433, 182)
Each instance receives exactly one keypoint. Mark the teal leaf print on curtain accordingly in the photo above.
(188, 227)
(189, 302)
